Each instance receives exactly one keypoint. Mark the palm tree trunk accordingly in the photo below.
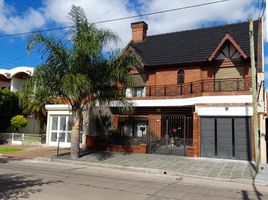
(75, 136)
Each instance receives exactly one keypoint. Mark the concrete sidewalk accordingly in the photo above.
(218, 169)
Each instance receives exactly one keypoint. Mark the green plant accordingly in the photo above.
(32, 101)
(9, 107)
(114, 131)
(18, 121)
(81, 71)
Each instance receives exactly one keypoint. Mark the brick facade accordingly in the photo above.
(154, 125)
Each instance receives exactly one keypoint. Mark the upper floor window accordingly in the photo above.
(228, 52)
(135, 92)
(181, 76)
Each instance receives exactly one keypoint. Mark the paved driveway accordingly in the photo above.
(201, 167)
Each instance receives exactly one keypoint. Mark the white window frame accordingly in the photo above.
(132, 92)
(58, 131)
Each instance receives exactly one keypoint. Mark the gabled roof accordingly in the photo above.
(192, 45)
(226, 38)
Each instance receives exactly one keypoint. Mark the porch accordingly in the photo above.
(167, 131)
(196, 88)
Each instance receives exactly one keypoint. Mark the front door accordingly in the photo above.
(175, 135)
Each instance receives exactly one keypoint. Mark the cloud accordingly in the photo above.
(226, 12)
(29, 20)
(56, 12)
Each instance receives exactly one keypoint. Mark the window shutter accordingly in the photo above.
(139, 80)
(229, 72)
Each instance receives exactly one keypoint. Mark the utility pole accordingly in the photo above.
(254, 95)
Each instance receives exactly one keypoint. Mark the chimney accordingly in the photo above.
(139, 31)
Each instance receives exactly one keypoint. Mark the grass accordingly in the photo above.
(9, 149)
(32, 138)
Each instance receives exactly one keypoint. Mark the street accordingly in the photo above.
(48, 180)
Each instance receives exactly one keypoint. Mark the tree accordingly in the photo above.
(33, 100)
(80, 72)
(9, 107)
(18, 121)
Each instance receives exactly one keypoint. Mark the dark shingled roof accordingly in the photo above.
(191, 45)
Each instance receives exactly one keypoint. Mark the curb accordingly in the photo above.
(145, 170)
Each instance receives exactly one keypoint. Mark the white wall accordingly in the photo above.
(189, 101)
(224, 110)
(16, 84)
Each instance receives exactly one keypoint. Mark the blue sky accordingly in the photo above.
(21, 16)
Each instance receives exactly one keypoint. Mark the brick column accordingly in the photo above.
(115, 120)
(196, 134)
(155, 125)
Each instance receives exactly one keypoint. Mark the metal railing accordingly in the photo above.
(209, 85)
(21, 138)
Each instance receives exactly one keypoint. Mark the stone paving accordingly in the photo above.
(201, 167)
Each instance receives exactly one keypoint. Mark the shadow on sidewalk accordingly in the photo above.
(258, 194)
(14, 186)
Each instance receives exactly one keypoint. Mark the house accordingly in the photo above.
(193, 94)
(13, 80)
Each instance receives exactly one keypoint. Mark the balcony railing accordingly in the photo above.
(209, 85)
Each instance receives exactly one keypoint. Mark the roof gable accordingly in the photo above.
(229, 38)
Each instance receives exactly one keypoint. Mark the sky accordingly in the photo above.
(18, 16)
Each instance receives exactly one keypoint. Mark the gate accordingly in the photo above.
(176, 135)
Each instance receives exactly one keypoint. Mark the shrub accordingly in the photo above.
(18, 121)
(9, 107)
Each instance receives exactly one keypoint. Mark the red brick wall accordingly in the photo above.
(196, 135)
(155, 125)
(166, 75)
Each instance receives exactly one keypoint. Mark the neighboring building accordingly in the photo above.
(13, 78)
(193, 94)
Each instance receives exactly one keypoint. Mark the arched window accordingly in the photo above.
(180, 76)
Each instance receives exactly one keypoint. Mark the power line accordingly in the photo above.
(119, 19)
(120, 2)
(263, 8)
(14, 59)
(24, 7)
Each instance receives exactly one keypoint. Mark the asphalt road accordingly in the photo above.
(54, 181)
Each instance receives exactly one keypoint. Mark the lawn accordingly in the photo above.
(32, 138)
(9, 149)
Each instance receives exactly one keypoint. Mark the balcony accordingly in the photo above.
(197, 88)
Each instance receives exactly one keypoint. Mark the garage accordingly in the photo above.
(226, 137)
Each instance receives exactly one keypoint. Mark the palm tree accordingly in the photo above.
(32, 101)
(79, 72)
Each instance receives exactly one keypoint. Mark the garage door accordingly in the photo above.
(226, 137)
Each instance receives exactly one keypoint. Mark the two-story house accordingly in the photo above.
(193, 94)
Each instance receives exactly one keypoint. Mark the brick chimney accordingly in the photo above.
(139, 31)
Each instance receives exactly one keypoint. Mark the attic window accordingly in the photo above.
(180, 76)
(228, 52)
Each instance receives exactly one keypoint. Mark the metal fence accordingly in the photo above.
(209, 85)
(22, 138)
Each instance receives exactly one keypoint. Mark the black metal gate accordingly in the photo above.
(176, 134)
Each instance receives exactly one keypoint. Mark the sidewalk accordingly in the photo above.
(217, 169)
(31, 152)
